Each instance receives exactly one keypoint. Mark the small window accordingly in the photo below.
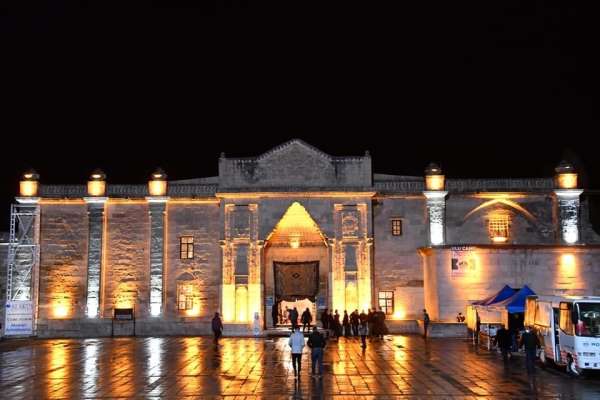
(396, 227)
(186, 247)
(386, 302)
(499, 226)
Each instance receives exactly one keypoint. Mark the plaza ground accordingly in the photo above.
(404, 367)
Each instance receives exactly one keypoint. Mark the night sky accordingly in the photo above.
(486, 89)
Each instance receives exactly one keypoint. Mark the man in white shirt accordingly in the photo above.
(296, 342)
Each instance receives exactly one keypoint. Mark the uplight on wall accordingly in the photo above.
(60, 310)
(28, 186)
(97, 184)
(399, 313)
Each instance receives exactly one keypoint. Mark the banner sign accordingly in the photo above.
(463, 261)
(19, 318)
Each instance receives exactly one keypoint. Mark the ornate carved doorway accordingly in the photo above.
(296, 285)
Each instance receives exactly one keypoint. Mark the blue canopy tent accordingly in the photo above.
(503, 294)
(515, 303)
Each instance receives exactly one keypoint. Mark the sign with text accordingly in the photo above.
(463, 261)
(19, 318)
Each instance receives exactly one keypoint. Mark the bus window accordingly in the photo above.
(566, 323)
(589, 319)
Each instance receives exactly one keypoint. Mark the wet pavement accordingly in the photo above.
(403, 367)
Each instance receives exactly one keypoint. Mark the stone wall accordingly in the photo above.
(127, 270)
(535, 225)
(397, 265)
(63, 262)
(552, 270)
(294, 164)
(201, 221)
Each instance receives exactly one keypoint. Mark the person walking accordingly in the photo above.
(217, 327)
(504, 342)
(296, 342)
(325, 319)
(294, 318)
(316, 342)
(425, 323)
(306, 320)
(531, 343)
(275, 314)
(363, 331)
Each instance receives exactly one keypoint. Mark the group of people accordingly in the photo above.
(506, 341)
(316, 342)
(291, 315)
(371, 323)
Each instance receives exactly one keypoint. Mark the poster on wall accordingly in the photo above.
(19, 318)
(464, 262)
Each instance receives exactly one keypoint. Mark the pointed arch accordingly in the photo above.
(296, 227)
(508, 203)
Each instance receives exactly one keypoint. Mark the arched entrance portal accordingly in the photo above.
(296, 260)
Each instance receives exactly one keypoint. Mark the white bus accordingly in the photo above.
(568, 328)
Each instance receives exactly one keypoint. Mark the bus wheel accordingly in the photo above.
(572, 367)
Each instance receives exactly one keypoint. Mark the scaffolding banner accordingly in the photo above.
(19, 318)
(463, 261)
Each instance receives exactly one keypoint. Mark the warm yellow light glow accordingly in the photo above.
(399, 313)
(241, 304)
(60, 310)
(28, 188)
(567, 263)
(254, 300)
(499, 225)
(296, 228)
(157, 187)
(123, 302)
(194, 311)
(294, 241)
(228, 303)
(434, 182)
(351, 297)
(567, 181)
(96, 188)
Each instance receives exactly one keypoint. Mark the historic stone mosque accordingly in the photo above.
(293, 227)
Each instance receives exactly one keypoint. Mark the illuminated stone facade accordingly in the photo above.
(210, 244)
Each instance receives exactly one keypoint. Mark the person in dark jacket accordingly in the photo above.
(425, 323)
(337, 326)
(503, 341)
(354, 322)
(325, 319)
(346, 323)
(294, 318)
(317, 343)
(531, 343)
(217, 327)
(306, 319)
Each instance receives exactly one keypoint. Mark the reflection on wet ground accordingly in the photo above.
(403, 367)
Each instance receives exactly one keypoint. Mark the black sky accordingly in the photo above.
(485, 88)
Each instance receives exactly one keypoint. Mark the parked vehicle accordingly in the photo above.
(568, 328)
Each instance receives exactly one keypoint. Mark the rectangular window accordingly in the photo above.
(186, 247)
(386, 302)
(396, 227)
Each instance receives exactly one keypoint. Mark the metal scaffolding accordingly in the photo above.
(23, 252)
